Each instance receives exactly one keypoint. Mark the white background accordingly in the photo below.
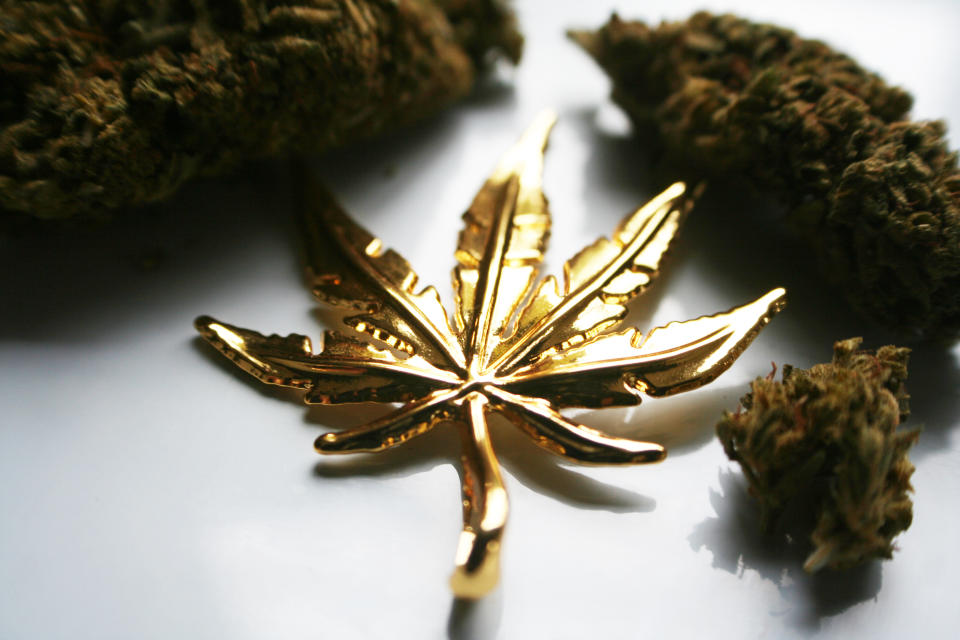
(147, 490)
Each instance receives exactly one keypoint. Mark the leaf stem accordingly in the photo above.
(485, 506)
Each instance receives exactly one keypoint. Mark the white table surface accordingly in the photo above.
(149, 491)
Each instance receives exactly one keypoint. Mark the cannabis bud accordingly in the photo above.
(106, 103)
(877, 197)
(827, 437)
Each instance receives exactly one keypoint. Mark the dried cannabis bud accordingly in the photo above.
(106, 103)
(828, 437)
(876, 196)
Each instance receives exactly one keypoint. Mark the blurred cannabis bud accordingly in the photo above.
(109, 102)
(828, 437)
(876, 196)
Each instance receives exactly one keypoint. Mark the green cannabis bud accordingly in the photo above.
(876, 196)
(827, 437)
(105, 103)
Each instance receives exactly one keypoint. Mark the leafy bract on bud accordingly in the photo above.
(828, 437)
(876, 196)
(105, 104)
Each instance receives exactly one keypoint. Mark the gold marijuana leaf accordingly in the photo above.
(524, 361)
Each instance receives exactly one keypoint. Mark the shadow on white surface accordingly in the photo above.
(475, 619)
(934, 386)
(86, 280)
(617, 170)
(545, 473)
(738, 546)
(682, 423)
(424, 452)
(536, 469)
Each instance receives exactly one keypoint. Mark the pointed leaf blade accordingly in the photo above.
(256, 353)
(409, 421)
(502, 243)
(346, 370)
(598, 282)
(615, 369)
(546, 427)
(693, 353)
(349, 269)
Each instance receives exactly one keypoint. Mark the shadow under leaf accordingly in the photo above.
(681, 423)
(535, 468)
(540, 470)
(439, 446)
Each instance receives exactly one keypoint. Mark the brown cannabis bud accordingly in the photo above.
(106, 103)
(828, 437)
(876, 196)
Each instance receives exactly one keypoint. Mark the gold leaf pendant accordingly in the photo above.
(522, 350)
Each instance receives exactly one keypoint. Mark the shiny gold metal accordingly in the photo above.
(524, 361)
